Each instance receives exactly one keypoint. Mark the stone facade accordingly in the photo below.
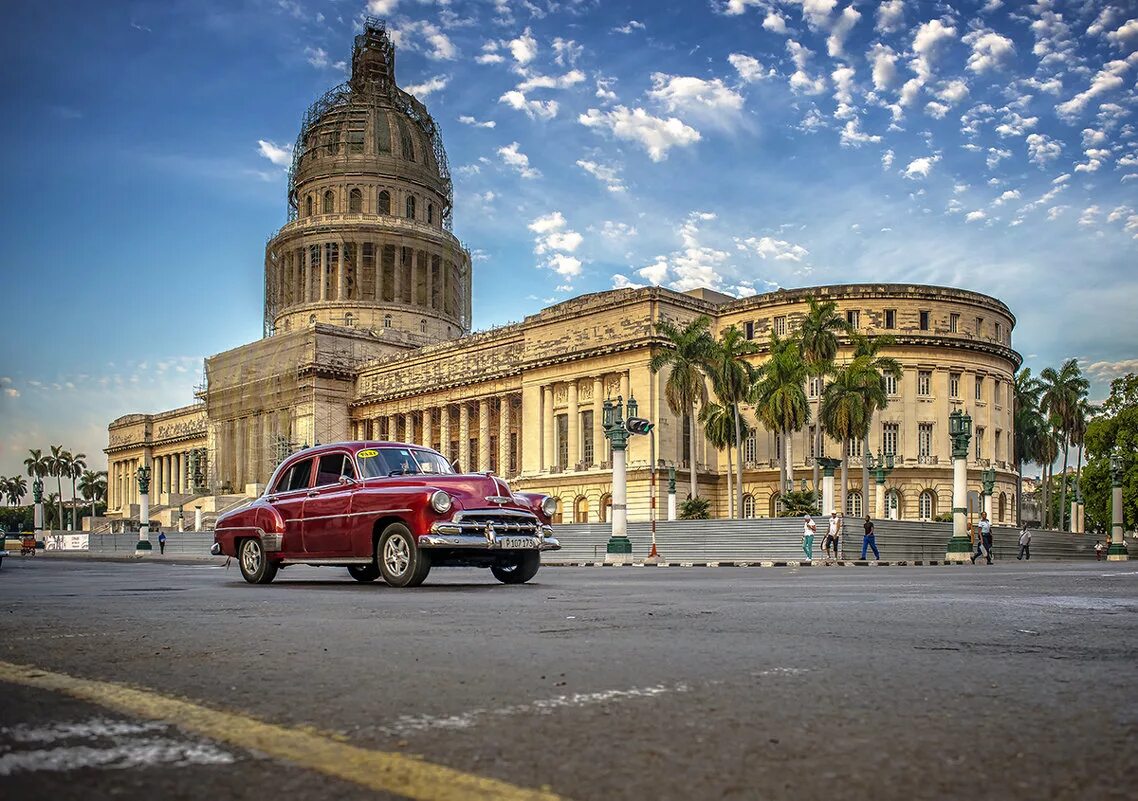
(366, 336)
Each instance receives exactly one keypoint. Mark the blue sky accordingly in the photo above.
(739, 144)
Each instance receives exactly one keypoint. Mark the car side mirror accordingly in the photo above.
(346, 481)
(454, 466)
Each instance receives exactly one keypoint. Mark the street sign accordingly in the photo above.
(639, 425)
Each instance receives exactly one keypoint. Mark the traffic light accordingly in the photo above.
(638, 425)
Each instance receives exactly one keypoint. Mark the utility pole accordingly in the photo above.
(960, 431)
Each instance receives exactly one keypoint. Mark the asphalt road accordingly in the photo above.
(1013, 682)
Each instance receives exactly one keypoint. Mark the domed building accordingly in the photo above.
(367, 335)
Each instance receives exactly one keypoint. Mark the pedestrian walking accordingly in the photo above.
(809, 529)
(830, 543)
(983, 539)
(869, 540)
(161, 542)
(839, 552)
(1098, 551)
(1025, 543)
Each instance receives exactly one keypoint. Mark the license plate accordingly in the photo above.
(517, 542)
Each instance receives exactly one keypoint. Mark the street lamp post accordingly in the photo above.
(828, 467)
(880, 468)
(619, 547)
(960, 432)
(1117, 550)
(671, 492)
(143, 477)
(988, 482)
(37, 496)
(197, 517)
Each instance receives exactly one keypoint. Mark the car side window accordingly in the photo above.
(330, 470)
(348, 469)
(299, 475)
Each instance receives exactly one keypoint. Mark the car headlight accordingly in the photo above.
(441, 502)
(549, 506)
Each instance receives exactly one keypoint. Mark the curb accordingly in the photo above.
(764, 563)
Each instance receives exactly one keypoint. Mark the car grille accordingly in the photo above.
(476, 522)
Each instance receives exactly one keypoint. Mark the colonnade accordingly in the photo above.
(169, 473)
(572, 421)
(370, 271)
(481, 434)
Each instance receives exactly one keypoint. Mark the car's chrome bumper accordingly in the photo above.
(453, 535)
(215, 549)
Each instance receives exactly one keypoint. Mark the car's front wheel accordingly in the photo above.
(364, 573)
(255, 566)
(401, 562)
(519, 570)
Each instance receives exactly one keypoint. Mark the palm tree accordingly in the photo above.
(1084, 411)
(37, 466)
(15, 488)
(58, 462)
(872, 372)
(818, 344)
(780, 400)
(687, 351)
(1028, 424)
(1062, 391)
(732, 376)
(1046, 452)
(76, 466)
(93, 485)
(719, 425)
(845, 413)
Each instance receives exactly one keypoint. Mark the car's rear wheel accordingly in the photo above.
(400, 560)
(255, 566)
(519, 570)
(364, 573)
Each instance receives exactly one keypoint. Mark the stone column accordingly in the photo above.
(484, 434)
(143, 476)
(1117, 551)
(396, 274)
(323, 294)
(504, 436)
(599, 440)
(828, 466)
(430, 281)
(376, 428)
(197, 518)
(574, 428)
(547, 455)
(960, 546)
(342, 272)
(879, 505)
(409, 428)
(464, 437)
(392, 428)
(168, 474)
(428, 427)
(444, 430)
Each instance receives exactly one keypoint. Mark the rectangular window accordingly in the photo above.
(780, 326)
(979, 443)
(749, 447)
(561, 426)
(953, 323)
(924, 382)
(954, 385)
(813, 435)
(996, 392)
(890, 384)
(924, 320)
(852, 318)
(1000, 333)
(513, 452)
(890, 318)
(979, 387)
(999, 441)
(889, 437)
(925, 439)
(855, 447)
(814, 387)
(979, 327)
(356, 141)
(587, 437)
(749, 329)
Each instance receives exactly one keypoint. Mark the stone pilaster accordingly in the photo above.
(484, 434)
(464, 437)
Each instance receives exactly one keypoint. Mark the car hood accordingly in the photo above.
(471, 490)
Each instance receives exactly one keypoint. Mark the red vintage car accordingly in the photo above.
(386, 509)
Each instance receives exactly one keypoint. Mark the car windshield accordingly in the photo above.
(400, 462)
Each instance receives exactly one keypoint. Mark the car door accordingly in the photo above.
(327, 506)
(288, 497)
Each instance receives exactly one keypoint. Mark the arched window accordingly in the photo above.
(387, 321)
(560, 513)
(892, 505)
(430, 214)
(748, 506)
(410, 207)
(1003, 506)
(423, 326)
(605, 510)
(775, 506)
(383, 205)
(349, 320)
(355, 201)
(581, 510)
(329, 202)
(288, 325)
(312, 319)
(308, 206)
(853, 504)
(926, 505)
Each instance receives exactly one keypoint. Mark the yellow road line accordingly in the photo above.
(396, 773)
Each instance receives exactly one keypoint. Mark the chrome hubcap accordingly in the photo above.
(396, 555)
(251, 557)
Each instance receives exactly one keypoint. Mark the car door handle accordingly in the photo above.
(312, 493)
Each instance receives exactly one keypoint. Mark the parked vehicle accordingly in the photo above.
(390, 510)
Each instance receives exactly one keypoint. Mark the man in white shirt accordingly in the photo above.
(834, 533)
(809, 529)
(1025, 543)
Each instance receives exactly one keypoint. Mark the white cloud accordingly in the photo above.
(629, 27)
(381, 8)
(952, 91)
(1011, 194)
(890, 16)
(617, 230)
(317, 57)
(887, 159)
(990, 50)
(708, 101)
(836, 41)
(1105, 21)
(556, 241)
(566, 51)
(927, 45)
(884, 66)
(817, 12)
(801, 80)
(974, 216)
(606, 174)
(920, 168)
(775, 22)
(604, 92)
(1089, 217)
(490, 54)
(655, 135)
(1055, 212)
(621, 282)
(936, 110)
(535, 109)
(518, 160)
(996, 155)
(1106, 80)
(281, 155)
(425, 37)
(1015, 124)
(852, 135)
(1041, 149)
(468, 120)
(571, 78)
(523, 48)
(430, 86)
(1126, 35)
(11, 392)
(767, 247)
(750, 69)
